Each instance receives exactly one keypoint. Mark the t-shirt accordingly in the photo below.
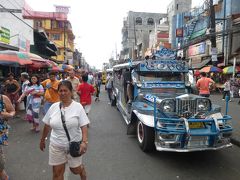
(75, 118)
(51, 94)
(24, 85)
(86, 90)
(203, 85)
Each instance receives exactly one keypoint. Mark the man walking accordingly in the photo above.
(51, 91)
(204, 84)
(75, 83)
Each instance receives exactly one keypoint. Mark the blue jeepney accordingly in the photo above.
(154, 100)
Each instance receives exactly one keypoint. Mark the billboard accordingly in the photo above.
(62, 9)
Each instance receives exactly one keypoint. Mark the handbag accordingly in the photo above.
(74, 147)
(3, 126)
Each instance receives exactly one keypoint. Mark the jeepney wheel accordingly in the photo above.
(145, 137)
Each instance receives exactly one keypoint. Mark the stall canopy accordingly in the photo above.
(14, 58)
(38, 62)
(53, 66)
(229, 69)
(208, 69)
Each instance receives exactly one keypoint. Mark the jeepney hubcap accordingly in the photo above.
(140, 132)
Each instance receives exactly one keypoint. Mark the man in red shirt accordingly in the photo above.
(85, 91)
(204, 84)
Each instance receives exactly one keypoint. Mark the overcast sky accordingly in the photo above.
(97, 23)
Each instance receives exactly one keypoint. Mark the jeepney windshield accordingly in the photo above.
(161, 76)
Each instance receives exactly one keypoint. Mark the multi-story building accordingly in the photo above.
(137, 27)
(176, 7)
(58, 30)
(15, 32)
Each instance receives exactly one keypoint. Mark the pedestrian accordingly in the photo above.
(51, 91)
(12, 89)
(226, 90)
(75, 83)
(34, 92)
(109, 86)
(76, 122)
(6, 111)
(97, 89)
(25, 82)
(204, 84)
(85, 91)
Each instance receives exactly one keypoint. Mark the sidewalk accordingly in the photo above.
(234, 111)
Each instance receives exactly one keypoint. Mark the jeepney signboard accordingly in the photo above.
(4, 35)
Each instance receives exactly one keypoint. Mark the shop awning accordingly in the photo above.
(14, 58)
(201, 64)
(38, 62)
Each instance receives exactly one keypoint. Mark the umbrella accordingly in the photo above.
(208, 69)
(38, 62)
(229, 69)
(14, 58)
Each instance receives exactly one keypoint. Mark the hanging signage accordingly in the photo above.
(4, 35)
(23, 44)
(197, 49)
(62, 9)
(179, 32)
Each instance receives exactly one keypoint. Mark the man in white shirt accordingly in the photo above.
(75, 82)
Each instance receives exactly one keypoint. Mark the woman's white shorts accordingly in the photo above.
(60, 155)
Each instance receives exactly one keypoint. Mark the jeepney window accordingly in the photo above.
(161, 76)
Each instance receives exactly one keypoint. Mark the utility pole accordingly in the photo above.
(64, 42)
(213, 32)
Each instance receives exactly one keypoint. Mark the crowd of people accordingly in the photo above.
(66, 103)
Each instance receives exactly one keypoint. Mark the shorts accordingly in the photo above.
(2, 159)
(87, 108)
(60, 155)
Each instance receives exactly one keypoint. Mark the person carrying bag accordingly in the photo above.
(67, 122)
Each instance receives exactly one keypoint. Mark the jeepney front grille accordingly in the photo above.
(186, 106)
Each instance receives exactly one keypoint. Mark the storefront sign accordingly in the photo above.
(4, 35)
(179, 32)
(23, 44)
(197, 49)
(62, 9)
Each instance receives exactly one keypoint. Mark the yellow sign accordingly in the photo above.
(4, 35)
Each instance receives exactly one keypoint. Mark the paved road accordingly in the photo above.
(112, 155)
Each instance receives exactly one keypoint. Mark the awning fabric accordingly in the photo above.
(201, 64)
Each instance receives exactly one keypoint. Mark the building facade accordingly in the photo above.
(14, 30)
(137, 27)
(58, 30)
(176, 7)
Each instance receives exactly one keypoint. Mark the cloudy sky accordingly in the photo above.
(97, 23)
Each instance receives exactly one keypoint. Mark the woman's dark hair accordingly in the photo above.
(52, 73)
(66, 83)
(85, 78)
(38, 81)
(10, 74)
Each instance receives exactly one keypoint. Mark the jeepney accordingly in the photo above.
(154, 100)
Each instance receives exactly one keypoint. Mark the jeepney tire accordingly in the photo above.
(145, 136)
(113, 101)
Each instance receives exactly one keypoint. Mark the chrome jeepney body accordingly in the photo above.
(165, 115)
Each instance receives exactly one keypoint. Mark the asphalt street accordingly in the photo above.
(113, 155)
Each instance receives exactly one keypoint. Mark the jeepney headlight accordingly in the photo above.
(203, 105)
(167, 105)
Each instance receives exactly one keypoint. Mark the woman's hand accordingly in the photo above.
(42, 145)
(83, 147)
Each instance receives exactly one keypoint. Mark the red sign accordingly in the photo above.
(179, 32)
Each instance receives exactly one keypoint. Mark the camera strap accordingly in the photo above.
(64, 122)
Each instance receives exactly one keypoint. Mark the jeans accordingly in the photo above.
(109, 91)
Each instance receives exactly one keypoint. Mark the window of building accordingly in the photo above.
(56, 37)
(177, 7)
(150, 21)
(38, 23)
(138, 21)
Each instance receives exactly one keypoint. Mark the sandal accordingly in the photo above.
(33, 129)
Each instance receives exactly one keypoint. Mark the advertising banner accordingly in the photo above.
(4, 35)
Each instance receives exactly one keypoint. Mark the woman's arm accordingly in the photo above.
(9, 110)
(83, 145)
(45, 132)
(18, 86)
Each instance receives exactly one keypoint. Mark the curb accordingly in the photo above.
(235, 142)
